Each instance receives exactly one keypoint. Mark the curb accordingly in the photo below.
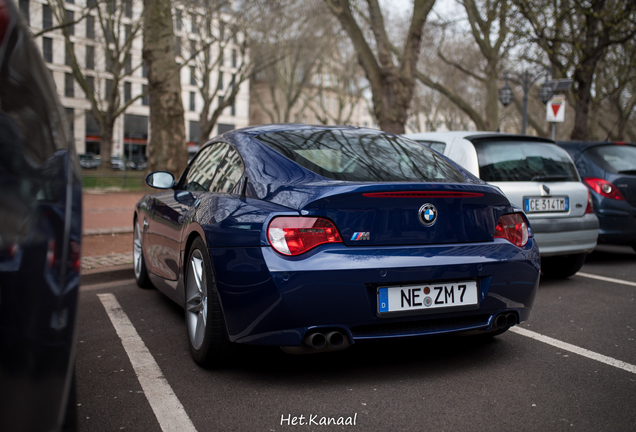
(106, 274)
(102, 231)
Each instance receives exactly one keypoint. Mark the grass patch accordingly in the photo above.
(134, 181)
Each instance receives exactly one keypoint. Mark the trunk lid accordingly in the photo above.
(392, 214)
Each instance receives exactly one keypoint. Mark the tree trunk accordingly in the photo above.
(105, 147)
(583, 77)
(167, 146)
(492, 97)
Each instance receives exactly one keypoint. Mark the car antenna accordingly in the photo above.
(244, 188)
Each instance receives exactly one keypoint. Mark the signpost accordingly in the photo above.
(555, 111)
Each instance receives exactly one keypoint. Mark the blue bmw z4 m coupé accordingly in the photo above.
(312, 238)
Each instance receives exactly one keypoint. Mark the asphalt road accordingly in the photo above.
(515, 382)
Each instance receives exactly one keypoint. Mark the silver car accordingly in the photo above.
(538, 176)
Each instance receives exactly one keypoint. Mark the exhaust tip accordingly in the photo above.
(335, 339)
(511, 320)
(501, 321)
(316, 340)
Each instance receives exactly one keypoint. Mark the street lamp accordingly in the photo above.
(506, 95)
(546, 92)
(525, 81)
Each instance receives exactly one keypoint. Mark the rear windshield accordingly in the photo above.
(362, 155)
(614, 158)
(437, 146)
(524, 161)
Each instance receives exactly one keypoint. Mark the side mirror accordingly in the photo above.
(160, 180)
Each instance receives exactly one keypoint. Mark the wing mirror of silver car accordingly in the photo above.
(160, 180)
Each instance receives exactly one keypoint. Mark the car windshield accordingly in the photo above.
(362, 155)
(614, 158)
(524, 161)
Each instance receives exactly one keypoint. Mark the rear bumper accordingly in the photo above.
(335, 287)
(565, 236)
(617, 226)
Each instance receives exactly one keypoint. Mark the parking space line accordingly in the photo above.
(169, 412)
(606, 279)
(574, 349)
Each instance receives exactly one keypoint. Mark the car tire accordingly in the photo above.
(561, 267)
(207, 334)
(139, 264)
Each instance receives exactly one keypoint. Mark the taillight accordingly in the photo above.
(590, 206)
(512, 227)
(51, 254)
(296, 235)
(604, 188)
(75, 256)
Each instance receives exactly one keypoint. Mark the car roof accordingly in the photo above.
(474, 135)
(584, 145)
(283, 127)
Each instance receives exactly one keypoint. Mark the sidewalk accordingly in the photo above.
(107, 229)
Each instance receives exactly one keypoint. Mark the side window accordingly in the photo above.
(203, 168)
(437, 146)
(229, 173)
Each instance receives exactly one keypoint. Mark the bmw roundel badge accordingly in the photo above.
(427, 214)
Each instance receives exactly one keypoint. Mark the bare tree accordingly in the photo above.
(575, 36)
(113, 43)
(291, 37)
(391, 78)
(168, 146)
(489, 27)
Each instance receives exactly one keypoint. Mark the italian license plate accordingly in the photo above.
(428, 296)
(540, 204)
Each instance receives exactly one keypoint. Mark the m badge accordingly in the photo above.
(357, 236)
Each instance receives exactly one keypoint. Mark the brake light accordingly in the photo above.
(604, 188)
(514, 228)
(75, 256)
(590, 206)
(296, 235)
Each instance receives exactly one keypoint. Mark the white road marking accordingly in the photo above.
(607, 279)
(574, 349)
(165, 404)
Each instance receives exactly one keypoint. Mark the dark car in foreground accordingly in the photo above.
(40, 235)
(609, 171)
(312, 238)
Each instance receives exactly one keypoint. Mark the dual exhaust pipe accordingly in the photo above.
(505, 320)
(317, 342)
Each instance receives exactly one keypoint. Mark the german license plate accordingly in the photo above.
(540, 204)
(428, 296)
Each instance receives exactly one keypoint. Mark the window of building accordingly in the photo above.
(144, 70)
(193, 21)
(109, 88)
(177, 46)
(220, 85)
(222, 128)
(128, 65)
(91, 3)
(47, 17)
(127, 91)
(128, 8)
(70, 116)
(145, 99)
(90, 57)
(195, 131)
(234, 58)
(90, 27)
(47, 49)
(233, 81)
(70, 18)
(91, 84)
(233, 112)
(192, 101)
(221, 30)
(68, 53)
(24, 10)
(69, 88)
(193, 79)
(109, 59)
(220, 101)
(70, 1)
(179, 19)
(127, 30)
(193, 47)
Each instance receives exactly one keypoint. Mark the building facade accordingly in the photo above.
(131, 131)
